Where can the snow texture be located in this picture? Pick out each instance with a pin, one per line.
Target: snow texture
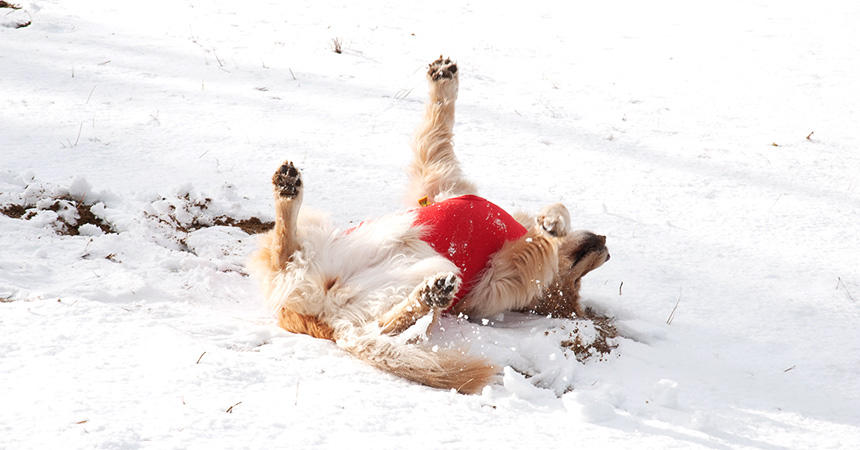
(714, 144)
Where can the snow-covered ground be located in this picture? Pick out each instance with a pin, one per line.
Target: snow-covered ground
(716, 145)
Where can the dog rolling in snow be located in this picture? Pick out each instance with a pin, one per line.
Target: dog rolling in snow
(376, 289)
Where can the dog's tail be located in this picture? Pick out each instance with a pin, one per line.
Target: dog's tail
(444, 369)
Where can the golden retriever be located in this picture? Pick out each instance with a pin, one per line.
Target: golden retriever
(376, 289)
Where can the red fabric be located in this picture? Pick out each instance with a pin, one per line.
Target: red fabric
(467, 230)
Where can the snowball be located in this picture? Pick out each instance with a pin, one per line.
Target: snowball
(45, 203)
(32, 193)
(183, 189)
(98, 209)
(161, 206)
(44, 218)
(80, 189)
(89, 229)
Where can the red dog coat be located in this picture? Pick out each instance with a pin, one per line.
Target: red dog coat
(467, 230)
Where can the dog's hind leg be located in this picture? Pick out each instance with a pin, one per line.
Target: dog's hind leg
(433, 295)
(304, 324)
(280, 243)
(435, 172)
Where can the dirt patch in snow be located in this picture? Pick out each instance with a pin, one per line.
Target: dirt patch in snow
(185, 215)
(85, 216)
(14, 22)
(252, 225)
(602, 344)
(71, 215)
(13, 211)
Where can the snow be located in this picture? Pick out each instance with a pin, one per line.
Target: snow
(714, 144)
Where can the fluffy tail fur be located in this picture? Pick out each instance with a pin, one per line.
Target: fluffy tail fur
(443, 369)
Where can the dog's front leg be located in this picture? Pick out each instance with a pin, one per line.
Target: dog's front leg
(435, 172)
(287, 182)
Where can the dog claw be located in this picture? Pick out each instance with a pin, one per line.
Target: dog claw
(287, 180)
(442, 68)
(440, 291)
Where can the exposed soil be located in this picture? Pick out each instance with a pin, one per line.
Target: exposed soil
(599, 347)
(64, 227)
(9, 5)
(13, 211)
(85, 216)
(251, 226)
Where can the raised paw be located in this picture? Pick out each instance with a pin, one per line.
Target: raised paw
(442, 68)
(287, 180)
(440, 290)
(555, 220)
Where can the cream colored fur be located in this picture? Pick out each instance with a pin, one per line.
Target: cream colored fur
(365, 288)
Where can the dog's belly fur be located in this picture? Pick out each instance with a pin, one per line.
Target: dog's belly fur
(350, 279)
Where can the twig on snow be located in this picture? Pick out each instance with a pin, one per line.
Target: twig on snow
(201, 357)
(847, 292)
(790, 368)
(220, 63)
(91, 94)
(672, 314)
(69, 143)
(619, 287)
(230, 409)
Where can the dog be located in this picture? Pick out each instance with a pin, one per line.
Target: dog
(377, 288)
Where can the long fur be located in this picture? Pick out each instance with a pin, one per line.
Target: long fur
(369, 288)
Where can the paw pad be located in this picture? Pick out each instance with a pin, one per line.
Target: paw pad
(554, 226)
(440, 291)
(287, 180)
(442, 68)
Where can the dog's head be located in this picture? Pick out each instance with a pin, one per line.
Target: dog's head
(581, 252)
